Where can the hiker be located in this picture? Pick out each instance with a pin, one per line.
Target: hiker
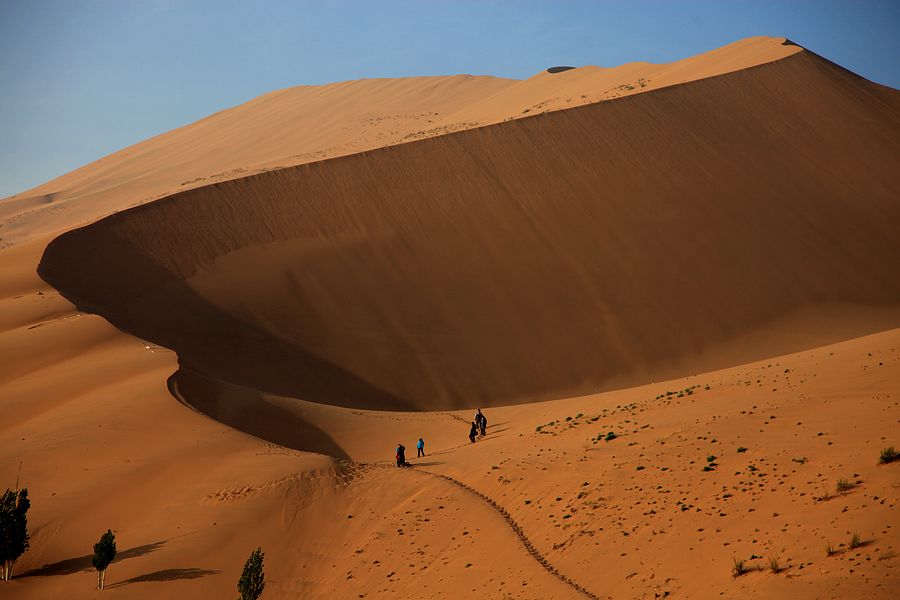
(473, 432)
(420, 446)
(481, 422)
(401, 455)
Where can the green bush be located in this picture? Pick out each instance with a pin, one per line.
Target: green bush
(104, 553)
(252, 581)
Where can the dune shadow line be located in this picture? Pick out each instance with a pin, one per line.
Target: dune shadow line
(83, 563)
(88, 267)
(167, 575)
(250, 411)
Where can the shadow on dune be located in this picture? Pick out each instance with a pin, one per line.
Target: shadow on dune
(205, 337)
(167, 575)
(251, 412)
(83, 563)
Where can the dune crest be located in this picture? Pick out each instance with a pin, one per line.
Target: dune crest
(306, 124)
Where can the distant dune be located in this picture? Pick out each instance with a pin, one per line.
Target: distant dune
(667, 233)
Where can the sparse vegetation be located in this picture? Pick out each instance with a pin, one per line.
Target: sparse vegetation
(843, 486)
(610, 436)
(888, 455)
(14, 537)
(829, 550)
(738, 567)
(741, 449)
(252, 581)
(855, 541)
(773, 564)
(104, 553)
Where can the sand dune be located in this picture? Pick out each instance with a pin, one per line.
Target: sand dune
(310, 123)
(745, 214)
(614, 243)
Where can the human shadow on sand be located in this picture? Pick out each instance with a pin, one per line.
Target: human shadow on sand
(83, 563)
(167, 575)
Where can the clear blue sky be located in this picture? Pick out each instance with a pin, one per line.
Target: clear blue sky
(81, 79)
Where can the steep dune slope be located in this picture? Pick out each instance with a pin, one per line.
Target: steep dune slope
(533, 259)
(310, 123)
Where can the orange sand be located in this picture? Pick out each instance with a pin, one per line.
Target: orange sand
(747, 215)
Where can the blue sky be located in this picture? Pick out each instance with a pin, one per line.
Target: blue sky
(79, 80)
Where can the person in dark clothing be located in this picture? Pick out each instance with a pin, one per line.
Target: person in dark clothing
(483, 425)
(473, 432)
(420, 446)
(401, 455)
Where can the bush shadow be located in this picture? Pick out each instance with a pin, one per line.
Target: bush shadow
(83, 563)
(167, 575)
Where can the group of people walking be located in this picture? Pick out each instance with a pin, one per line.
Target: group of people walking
(401, 452)
(478, 430)
(479, 426)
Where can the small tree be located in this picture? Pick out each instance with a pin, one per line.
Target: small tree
(13, 529)
(252, 580)
(104, 553)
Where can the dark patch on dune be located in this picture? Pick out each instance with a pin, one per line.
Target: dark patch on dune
(251, 412)
(559, 69)
(528, 260)
(167, 575)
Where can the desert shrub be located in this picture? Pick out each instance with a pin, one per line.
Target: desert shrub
(738, 567)
(843, 485)
(888, 455)
(252, 581)
(855, 541)
(773, 564)
(741, 449)
(14, 505)
(104, 553)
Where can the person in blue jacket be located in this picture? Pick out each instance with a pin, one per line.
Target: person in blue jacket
(420, 446)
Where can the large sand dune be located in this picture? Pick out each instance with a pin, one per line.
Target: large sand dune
(534, 259)
(735, 205)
